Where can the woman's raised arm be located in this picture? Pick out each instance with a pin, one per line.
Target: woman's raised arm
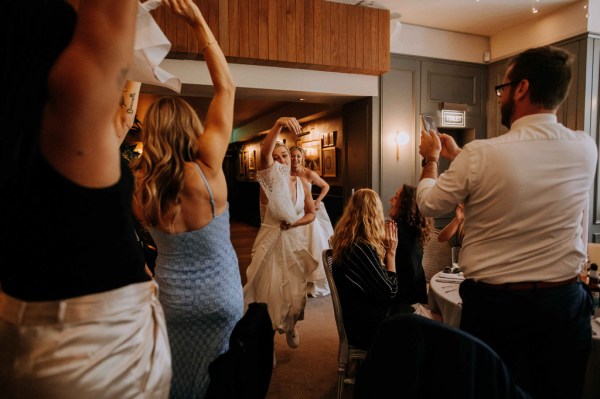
(218, 126)
(78, 134)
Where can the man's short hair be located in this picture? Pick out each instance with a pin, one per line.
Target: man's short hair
(548, 70)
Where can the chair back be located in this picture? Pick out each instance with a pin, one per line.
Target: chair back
(337, 306)
(432, 360)
(436, 256)
(347, 354)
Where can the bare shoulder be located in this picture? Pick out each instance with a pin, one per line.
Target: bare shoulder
(309, 175)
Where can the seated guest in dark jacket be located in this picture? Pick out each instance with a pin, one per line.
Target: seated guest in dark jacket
(364, 266)
(413, 234)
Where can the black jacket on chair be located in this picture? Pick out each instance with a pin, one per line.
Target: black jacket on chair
(244, 371)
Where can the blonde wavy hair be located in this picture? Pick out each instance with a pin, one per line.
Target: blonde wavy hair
(361, 222)
(170, 139)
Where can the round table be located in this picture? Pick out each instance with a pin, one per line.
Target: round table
(443, 297)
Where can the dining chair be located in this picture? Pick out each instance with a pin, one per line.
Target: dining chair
(347, 354)
(436, 256)
(432, 360)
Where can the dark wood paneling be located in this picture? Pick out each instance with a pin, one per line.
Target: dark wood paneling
(223, 37)
(263, 29)
(244, 13)
(234, 27)
(358, 134)
(318, 32)
(309, 34)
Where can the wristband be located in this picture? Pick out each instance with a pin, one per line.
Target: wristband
(425, 161)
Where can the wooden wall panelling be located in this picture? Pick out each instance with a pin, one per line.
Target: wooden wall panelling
(223, 37)
(314, 34)
(326, 23)
(299, 29)
(360, 40)
(367, 40)
(343, 24)
(244, 15)
(334, 29)
(318, 30)
(290, 30)
(263, 29)
(351, 36)
(234, 28)
(384, 42)
(253, 36)
(309, 32)
(272, 29)
(281, 30)
(213, 17)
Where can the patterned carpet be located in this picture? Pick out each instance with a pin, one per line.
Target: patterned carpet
(310, 371)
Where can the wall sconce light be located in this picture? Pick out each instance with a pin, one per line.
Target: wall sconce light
(401, 138)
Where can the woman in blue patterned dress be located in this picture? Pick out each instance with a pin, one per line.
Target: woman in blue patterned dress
(181, 197)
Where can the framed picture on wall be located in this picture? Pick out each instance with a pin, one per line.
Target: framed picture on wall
(329, 139)
(242, 162)
(252, 160)
(329, 166)
(312, 156)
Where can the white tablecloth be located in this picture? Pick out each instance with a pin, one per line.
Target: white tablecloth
(443, 297)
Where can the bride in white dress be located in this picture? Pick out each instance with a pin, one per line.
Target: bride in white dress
(320, 231)
(280, 259)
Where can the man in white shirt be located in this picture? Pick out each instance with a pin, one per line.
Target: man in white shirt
(525, 196)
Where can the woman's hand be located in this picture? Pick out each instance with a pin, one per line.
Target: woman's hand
(291, 123)
(285, 225)
(186, 9)
(317, 205)
(390, 239)
(460, 212)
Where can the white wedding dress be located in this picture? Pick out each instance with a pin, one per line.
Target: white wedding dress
(281, 262)
(318, 234)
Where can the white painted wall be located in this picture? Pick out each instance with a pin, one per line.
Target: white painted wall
(594, 16)
(567, 22)
(281, 79)
(426, 42)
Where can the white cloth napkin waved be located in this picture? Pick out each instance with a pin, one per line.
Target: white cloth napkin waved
(150, 49)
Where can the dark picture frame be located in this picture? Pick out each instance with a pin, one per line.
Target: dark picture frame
(252, 160)
(242, 161)
(329, 162)
(329, 138)
(313, 156)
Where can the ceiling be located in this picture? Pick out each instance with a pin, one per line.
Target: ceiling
(479, 17)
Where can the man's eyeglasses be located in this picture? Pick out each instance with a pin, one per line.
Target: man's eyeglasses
(500, 88)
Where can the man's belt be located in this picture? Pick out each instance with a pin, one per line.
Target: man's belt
(529, 285)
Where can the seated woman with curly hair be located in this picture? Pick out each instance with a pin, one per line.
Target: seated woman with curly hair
(413, 233)
(364, 266)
